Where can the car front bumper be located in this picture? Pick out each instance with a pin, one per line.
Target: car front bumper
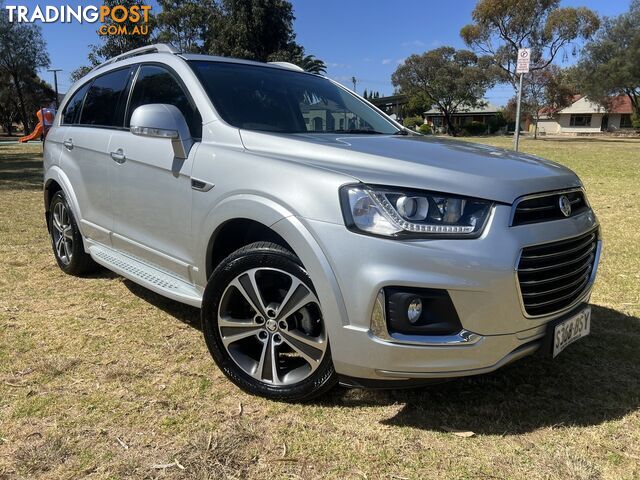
(480, 277)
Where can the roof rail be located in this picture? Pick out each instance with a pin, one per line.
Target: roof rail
(290, 66)
(157, 48)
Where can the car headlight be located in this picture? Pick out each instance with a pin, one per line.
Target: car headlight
(397, 213)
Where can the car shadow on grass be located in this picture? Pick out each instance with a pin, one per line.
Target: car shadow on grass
(185, 313)
(595, 380)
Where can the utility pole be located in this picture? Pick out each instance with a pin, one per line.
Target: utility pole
(55, 82)
(353, 79)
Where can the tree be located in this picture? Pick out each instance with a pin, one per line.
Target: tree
(545, 90)
(365, 94)
(111, 46)
(259, 30)
(9, 111)
(610, 63)
(312, 64)
(501, 27)
(22, 52)
(186, 23)
(446, 78)
(79, 72)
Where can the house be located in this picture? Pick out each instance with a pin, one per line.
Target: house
(464, 115)
(328, 115)
(586, 117)
(391, 105)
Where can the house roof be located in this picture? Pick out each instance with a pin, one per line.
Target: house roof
(486, 109)
(581, 104)
(621, 104)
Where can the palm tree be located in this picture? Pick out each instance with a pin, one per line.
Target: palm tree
(312, 64)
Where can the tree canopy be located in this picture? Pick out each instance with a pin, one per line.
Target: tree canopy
(187, 24)
(501, 27)
(445, 78)
(22, 52)
(610, 63)
(259, 30)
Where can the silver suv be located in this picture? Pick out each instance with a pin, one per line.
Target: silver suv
(323, 242)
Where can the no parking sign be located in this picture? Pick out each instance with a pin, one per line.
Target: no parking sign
(524, 55)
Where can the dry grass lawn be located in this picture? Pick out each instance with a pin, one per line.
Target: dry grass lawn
(100, 378)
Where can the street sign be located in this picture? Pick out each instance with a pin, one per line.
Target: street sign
(524, 55)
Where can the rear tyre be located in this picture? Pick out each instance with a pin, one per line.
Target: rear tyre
(263, 325)
(66, 239)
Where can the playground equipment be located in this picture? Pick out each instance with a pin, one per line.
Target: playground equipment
(45, 120)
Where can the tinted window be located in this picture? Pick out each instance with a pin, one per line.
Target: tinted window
(101, 107)
(285, 101)
(72, 110)
(157, 85)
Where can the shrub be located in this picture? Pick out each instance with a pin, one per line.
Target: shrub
(635, 121)
(425, 129)
(475, 128)
(413, 122)
(497, 122)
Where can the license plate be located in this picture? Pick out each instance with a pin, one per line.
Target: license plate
(572, 329)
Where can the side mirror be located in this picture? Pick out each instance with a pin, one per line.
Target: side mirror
(163, 121)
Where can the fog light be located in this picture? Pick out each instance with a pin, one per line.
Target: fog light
(414, 310)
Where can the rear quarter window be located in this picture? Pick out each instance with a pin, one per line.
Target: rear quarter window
(72, 109)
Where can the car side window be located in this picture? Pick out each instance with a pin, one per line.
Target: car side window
(102, 105)
(72, 109)
(155, 84)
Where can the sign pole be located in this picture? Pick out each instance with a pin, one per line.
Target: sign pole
(522, 67)
(516, 142)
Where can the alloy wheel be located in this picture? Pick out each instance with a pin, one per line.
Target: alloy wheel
(271, 325)
(62, 233)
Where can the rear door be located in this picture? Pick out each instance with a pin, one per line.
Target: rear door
(86, 141)
(151, 188)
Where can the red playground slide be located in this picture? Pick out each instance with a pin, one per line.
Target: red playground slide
(45, 119)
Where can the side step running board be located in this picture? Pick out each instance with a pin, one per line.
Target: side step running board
(146, 275)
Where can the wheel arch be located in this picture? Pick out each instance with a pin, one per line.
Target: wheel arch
(290, 231)
(55, 180)
(236, 233)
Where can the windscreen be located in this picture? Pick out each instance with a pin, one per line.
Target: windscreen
(281, 101)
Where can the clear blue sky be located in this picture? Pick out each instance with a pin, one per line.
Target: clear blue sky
(365, 39)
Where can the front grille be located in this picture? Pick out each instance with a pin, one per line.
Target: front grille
(547, 207)
(554, 275)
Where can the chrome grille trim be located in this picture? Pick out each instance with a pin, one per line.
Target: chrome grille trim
(523, 215)
(554, 277)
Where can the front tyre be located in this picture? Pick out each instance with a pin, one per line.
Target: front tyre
(66, 239)
(263, 325)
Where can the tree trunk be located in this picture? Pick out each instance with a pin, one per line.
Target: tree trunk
(450, 128)
(23, 111)
(535, 128)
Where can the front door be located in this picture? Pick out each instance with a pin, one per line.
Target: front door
(151, 188)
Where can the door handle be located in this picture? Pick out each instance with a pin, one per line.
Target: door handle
(68, 144)
(118, 156)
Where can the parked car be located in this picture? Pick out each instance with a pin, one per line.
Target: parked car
(322, 241)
